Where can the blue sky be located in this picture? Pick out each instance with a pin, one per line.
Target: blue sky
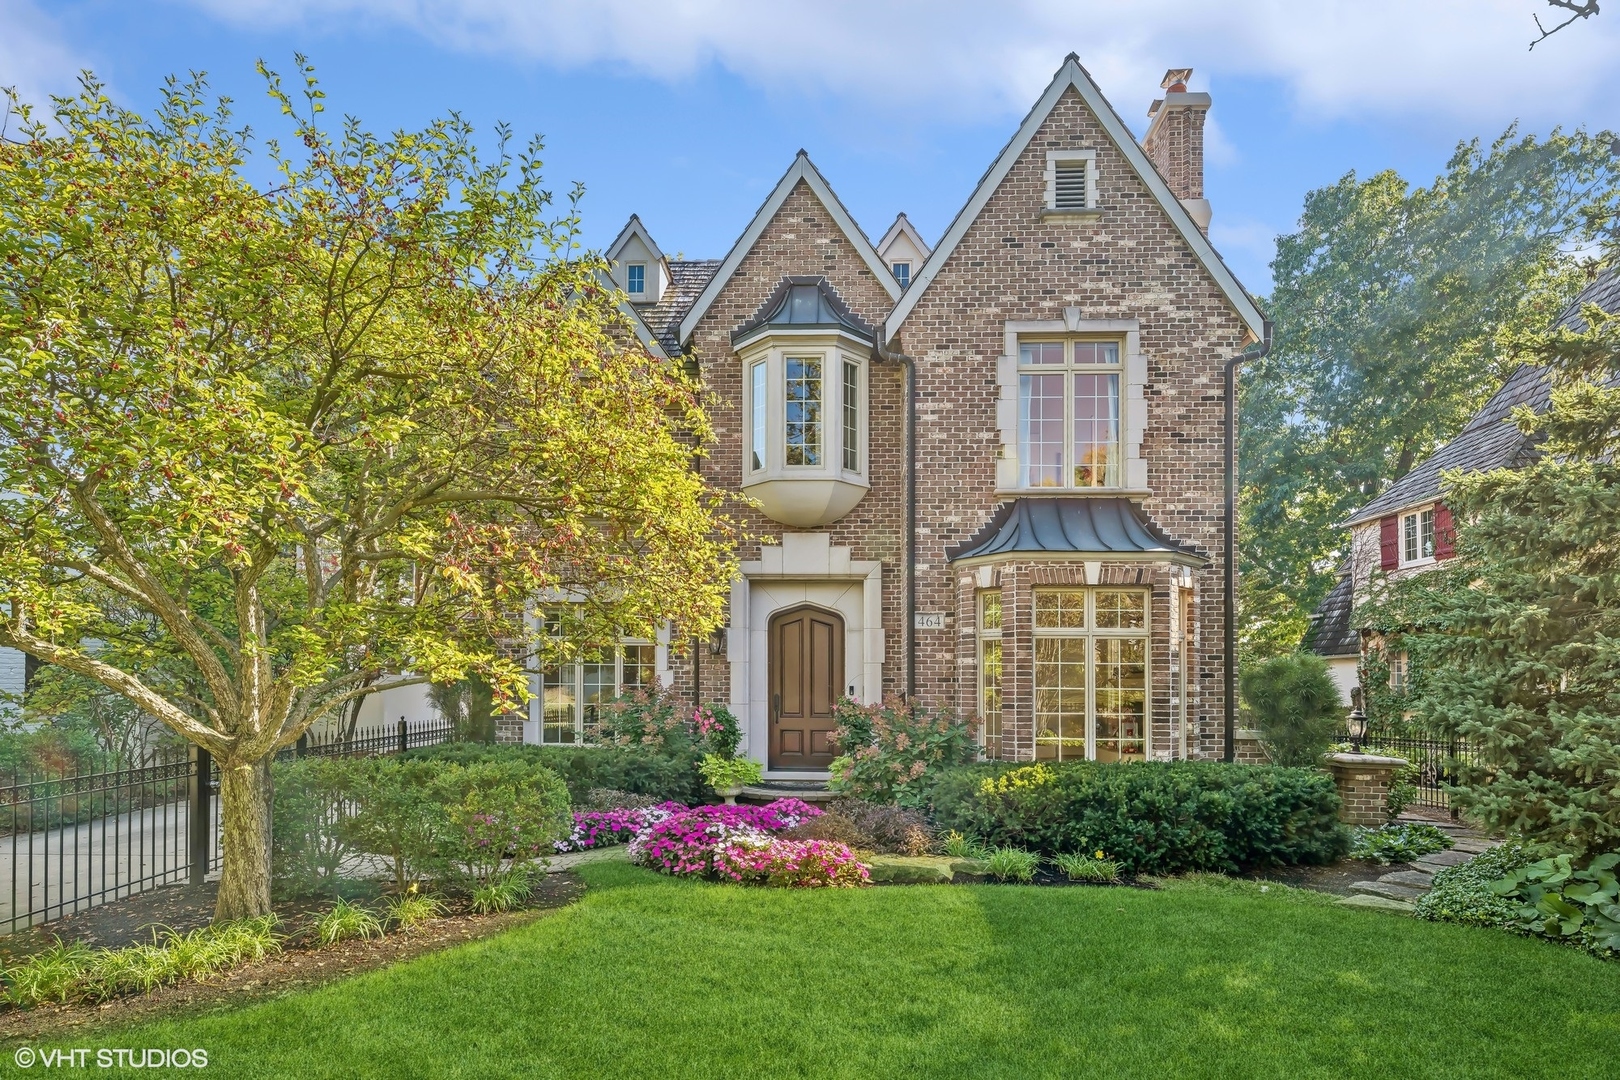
(687, 113)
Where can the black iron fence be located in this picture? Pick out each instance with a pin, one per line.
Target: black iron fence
(72, 840)
(1436, 761)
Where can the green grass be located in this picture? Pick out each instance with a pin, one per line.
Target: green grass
(653, 977)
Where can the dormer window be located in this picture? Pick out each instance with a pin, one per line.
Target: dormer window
(1417, 537)
(902, 273)
(805, 360)
(635, 276)
(1071, 183)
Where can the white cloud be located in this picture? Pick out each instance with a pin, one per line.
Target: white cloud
(1456, 59)
(34, 59)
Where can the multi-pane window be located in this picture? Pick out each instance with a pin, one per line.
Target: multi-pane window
(1417, 536)
(990, 671)
(852, 417)
(572, 689)
(757, 404)
(803, 410)
(1091, 674)
(635, 276)
(1069, 414)
(902, 273)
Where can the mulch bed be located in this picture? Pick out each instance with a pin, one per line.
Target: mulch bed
(302, 965)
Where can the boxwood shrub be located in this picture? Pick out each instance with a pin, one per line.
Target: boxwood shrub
(660, 774)
(1153, 817)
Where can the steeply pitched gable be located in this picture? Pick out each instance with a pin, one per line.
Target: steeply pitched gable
(802, 170)
(1073, 76)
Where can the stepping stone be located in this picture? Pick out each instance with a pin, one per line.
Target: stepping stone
(1442, 859)
(1472, 845)
(1412, 879)
(1377, 903)
(1387, 890)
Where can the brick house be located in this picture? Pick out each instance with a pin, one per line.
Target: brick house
(986, 473)
(1408, 529)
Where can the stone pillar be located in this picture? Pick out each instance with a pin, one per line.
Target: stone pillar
(1248, 750)
(1363, 781)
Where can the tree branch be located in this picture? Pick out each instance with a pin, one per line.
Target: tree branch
(121, 682)
(1583, 9)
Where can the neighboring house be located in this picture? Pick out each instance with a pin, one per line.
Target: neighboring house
(13, 680)
(1408, 529)
(987, 473)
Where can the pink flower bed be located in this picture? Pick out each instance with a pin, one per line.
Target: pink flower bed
(604, 828)
(805, 864)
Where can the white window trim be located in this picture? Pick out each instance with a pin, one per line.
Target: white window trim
(1091, 209)
(774, 352)
(985, 635)
(894, 268)
(627, 289)
(1090, 633)
(1132, 404)
(1400, 537)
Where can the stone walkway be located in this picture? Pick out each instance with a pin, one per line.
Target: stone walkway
(1399, 890)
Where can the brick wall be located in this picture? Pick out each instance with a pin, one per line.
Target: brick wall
(1130, 263)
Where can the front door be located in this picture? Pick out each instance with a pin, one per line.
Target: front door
(807, 674)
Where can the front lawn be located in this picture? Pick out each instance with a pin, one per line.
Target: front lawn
(658, 977)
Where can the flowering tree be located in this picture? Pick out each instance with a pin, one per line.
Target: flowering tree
(269, 449)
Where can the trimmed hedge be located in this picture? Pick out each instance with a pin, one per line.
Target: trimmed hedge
(662, 775)
(1154, 817)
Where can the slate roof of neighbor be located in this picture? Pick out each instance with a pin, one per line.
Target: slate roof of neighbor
(687, 279)
(1490, 440)
(1070, 526)
(1330, 632)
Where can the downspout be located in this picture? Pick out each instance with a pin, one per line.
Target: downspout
(1253, 352)
(910, 629)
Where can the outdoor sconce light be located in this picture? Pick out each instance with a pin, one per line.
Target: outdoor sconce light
(1357, 722)
(717, 642)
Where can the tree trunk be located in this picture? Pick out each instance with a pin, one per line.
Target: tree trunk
(245, 800)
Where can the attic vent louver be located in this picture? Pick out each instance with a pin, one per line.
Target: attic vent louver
(1070, 184)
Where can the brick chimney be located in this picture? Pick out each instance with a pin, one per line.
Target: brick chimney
(1175, 142)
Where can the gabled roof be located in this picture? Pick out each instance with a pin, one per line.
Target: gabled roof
(1072, 74)
(804, 303)
(801, 169)
(903, 226)
(1073, 527)
(633, 227)
(1491, 440)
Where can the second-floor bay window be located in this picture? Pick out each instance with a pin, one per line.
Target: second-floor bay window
(806, 364)
(1069, 414)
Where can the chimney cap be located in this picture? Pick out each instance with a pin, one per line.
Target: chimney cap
(1176, 76)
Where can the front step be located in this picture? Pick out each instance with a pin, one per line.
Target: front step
(810, 791)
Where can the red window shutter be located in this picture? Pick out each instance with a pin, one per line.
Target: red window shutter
(1389, 542)
(1445, 533)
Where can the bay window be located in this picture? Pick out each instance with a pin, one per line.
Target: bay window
(1091, 656)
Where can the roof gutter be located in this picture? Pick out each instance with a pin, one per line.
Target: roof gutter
(1230, 568)
(911, 516)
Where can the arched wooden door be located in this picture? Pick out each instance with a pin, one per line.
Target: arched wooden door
(807, 674)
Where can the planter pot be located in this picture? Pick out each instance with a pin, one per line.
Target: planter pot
(731, 793)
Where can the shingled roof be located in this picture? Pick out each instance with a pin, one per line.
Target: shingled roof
(687, 280)
(1490, 440)
(1330, 632)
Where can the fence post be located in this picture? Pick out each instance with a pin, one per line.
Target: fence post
(303, 745)
(202, 816)
(402, 735)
